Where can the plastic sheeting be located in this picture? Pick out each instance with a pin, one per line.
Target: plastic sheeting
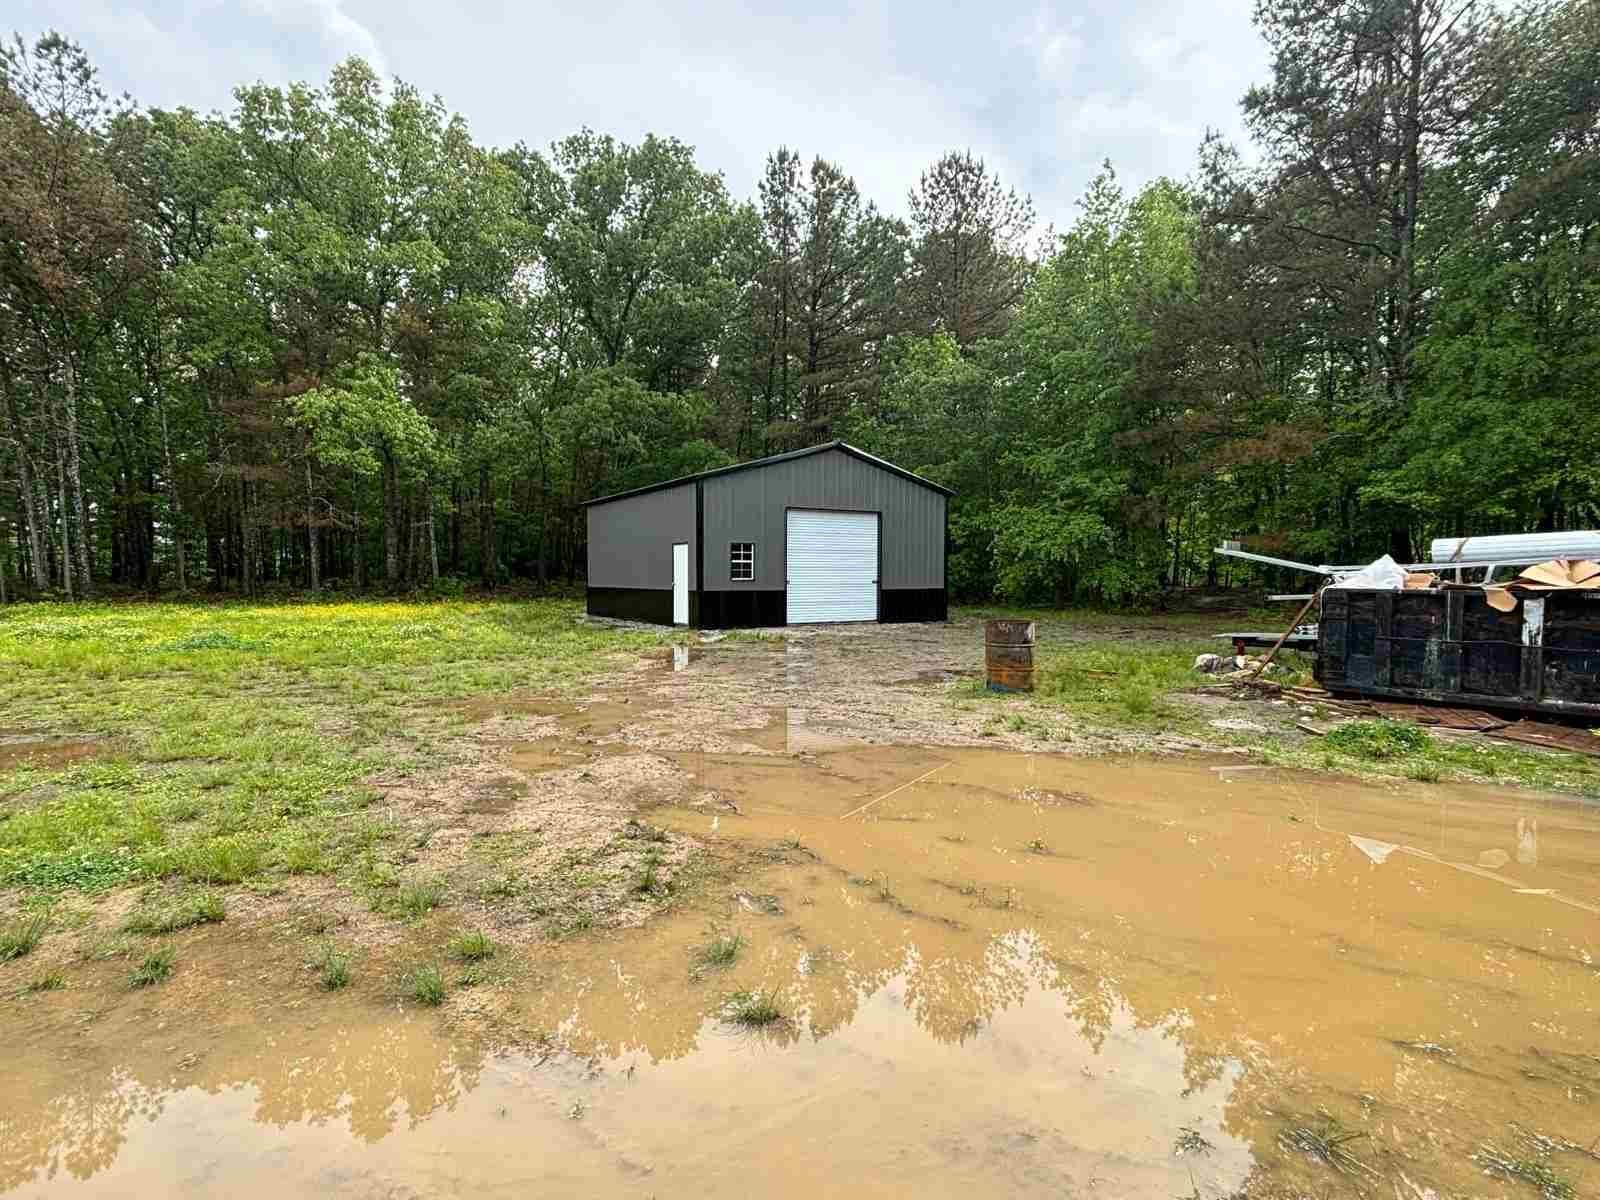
(1383, 575)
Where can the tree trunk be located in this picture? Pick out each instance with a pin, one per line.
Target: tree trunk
(391, 521)
(358, 550)
(38, 560)
(66, 536)
(488, 554)
(174, 510)
(455, 526)
(433, 537)
(247, 542)
(75, 474)
(311, 529)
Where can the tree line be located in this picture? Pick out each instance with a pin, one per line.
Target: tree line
(327, 340)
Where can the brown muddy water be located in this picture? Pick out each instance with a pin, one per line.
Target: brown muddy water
(999, 975)
(30, 750)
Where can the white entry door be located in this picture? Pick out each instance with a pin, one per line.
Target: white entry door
(680, 583)
(833, 566)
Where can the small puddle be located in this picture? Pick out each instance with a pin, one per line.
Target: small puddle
(27, 751)
(995, 974)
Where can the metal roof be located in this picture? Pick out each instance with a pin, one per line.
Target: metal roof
(777, 458)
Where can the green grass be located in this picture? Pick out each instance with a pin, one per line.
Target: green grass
(206, 908)
(1532, 1169)
(473, 946)
(1376, 741)
(721, 951)
(20, 938)
(50, 981)
(239, 734)
(426, 986)
(1114, 682)
(156, 968)
(419, 898)
(753, 1010)
(333, 969)
(1115, 671)
(649, 874)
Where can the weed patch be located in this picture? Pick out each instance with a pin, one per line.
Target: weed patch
(1377, 741)
(204, 909)
(156, 968)
(1326, 1140)
(720, 952)
(50, 981)
(473, 946)
(754, 1010)
(426, 986)
(20, 939)
(1530, 1169)
(333, 969)
(418, 899)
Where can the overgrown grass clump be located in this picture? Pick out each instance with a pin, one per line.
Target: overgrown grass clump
(1377, 741)
(333, 969)
(50, 981)
(206, 908)
(22, 937)
(721, 951)
(155, 968)
(426, 986)
(1532, 1169)
(419, 898)
(473, 946)
(753, 1010)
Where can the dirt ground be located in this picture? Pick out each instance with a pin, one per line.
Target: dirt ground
(735, 886)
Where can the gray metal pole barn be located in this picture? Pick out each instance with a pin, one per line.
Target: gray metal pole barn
(825, 534)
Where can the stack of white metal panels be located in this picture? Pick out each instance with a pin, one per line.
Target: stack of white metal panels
(1518, 547)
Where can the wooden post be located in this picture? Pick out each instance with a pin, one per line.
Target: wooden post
(1278, 645)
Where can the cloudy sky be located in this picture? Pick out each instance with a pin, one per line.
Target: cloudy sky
(1044, 92)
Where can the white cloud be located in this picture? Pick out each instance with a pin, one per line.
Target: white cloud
(340, 30)
(1042, 91)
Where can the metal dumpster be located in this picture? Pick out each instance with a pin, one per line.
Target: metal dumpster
(1449, 646)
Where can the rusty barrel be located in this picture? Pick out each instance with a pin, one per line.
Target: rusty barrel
(1008, 655)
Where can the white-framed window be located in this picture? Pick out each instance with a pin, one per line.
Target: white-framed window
(741, 560)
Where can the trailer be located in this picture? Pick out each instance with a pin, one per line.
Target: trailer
(1448, 645)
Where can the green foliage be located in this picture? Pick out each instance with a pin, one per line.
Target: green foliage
(1377, 741)
(202, 909)
(330, 323)
(721, 951)
(155, 968)
(473, 946)
(21, 937)
(752, 1009)
(419, 898)
(426, 986)
(333, 969)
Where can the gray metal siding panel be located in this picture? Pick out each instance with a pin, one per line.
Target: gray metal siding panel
(630, 541)
(749, 507)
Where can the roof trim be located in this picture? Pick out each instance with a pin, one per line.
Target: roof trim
(843, 447)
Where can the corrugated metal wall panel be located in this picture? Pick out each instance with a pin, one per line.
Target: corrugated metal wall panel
(749, 507)
(630, 541)
(833, 566)
(1517, 547)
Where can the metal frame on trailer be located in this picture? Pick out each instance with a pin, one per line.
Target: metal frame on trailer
(1488, 565)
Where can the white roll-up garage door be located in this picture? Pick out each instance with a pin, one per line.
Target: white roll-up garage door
(833, 566)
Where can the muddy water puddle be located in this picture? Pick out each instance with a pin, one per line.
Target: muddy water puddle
(992, 974)
(27, 750)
